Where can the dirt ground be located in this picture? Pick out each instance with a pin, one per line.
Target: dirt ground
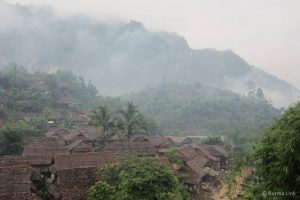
(221, 193)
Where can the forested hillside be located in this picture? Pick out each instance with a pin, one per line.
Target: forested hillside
(32, 103)
(185, 107)
(194, 109)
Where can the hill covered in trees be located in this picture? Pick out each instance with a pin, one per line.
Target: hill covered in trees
(194, 109)
(33, 103)
(120, 57)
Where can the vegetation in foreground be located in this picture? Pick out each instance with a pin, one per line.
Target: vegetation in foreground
(135, 179)
(275, 160)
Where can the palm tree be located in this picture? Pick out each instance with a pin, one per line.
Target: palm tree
(132, 120)
(103, 119)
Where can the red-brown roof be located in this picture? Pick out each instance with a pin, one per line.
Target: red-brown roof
(47, 151)
(187, 152)
(129, 147)
(176, 139)
(79, 146)
(15, 178)
(91, 133)
(202, 150)
(84, 160)
(218, 151)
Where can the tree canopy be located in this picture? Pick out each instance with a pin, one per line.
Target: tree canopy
(180, 108)
(132, 120)
(135, 179)
(276, 159)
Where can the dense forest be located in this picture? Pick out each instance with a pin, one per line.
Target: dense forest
(186, 107)
(195, 109)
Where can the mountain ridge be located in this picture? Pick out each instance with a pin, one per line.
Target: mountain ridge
(111, 54)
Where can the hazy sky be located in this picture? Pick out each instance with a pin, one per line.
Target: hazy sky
(264, 32)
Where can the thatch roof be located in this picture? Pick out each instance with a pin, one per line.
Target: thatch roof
(202, 150)
(46, 142)
(73, 135)
(79, 145)
(157, 140)
(217, 150)
(197, 170)
(128, 147)
(187, 152)
(191, 139)
(84, 160)
(45, 146)
(197, 164)
(160, 141)
(15, 181)
(91, 133)
(44, 151)
(25, 160)
(176, 139)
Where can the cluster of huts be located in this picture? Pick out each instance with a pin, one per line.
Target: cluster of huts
(63, 164)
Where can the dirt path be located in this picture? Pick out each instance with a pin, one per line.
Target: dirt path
(221, 194)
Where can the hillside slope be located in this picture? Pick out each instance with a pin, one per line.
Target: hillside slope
(197, 109)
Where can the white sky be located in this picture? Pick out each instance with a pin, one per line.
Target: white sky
(266, 33)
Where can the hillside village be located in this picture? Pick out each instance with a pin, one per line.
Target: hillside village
(61, 161)
(64, 164)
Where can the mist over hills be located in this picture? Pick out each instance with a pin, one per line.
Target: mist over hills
(125, 57)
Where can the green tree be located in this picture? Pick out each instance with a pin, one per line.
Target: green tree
(132, 120)
(103, 119)
(13, 137)
(135, 179)
(276, 158)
